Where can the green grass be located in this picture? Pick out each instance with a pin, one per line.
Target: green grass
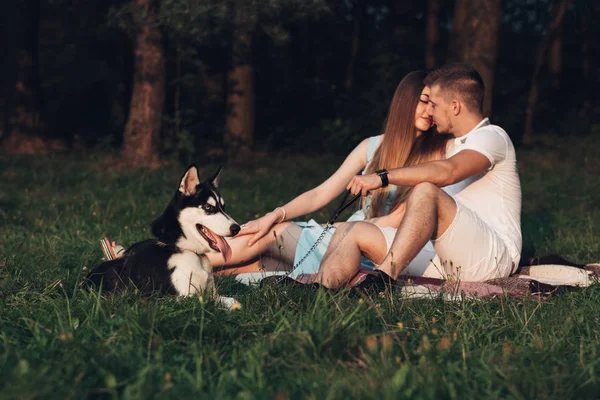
(58, 340)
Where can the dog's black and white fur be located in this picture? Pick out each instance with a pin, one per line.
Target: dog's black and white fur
(194, 223)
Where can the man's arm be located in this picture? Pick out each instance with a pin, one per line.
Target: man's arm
(441, 173)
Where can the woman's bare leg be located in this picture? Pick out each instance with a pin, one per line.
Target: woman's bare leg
(280, 243)
(263, 264)
(350, 241)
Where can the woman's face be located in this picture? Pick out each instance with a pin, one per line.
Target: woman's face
(422, 119)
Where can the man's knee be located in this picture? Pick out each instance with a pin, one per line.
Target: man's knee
(346, 231)
(428, 193)
(331, 280)
(426, 189)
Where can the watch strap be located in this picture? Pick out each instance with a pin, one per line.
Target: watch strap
(383, 174)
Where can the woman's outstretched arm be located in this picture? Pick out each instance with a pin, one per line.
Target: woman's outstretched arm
(311, 200)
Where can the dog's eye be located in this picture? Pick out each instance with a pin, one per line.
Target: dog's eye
(208, 208)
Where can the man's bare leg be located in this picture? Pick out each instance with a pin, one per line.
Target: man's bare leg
(429, 212)
(279, 243)
(350, 241)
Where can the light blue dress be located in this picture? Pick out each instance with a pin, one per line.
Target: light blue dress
(312, 230)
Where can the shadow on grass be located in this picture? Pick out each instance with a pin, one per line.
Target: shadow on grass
(536, 227)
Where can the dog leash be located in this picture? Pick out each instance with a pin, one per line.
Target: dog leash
(343, 205)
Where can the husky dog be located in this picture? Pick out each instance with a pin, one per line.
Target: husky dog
(194, 223)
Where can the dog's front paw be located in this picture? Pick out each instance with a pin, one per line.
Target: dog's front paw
(229, 303)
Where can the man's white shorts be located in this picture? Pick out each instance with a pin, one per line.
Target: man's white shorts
(469, 250)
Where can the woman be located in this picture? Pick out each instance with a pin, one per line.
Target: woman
(407, 139)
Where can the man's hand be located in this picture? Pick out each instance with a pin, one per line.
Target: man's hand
(362, 184)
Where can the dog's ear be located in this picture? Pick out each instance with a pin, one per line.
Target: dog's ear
(215, 178)
(190, 181)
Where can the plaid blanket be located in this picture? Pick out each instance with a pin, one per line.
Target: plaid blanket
(534, 281)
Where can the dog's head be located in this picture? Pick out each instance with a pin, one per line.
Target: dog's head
(195, 219)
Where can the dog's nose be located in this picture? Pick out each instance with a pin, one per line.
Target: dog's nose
(234, 229)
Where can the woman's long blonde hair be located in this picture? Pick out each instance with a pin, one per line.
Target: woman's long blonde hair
(400, 146)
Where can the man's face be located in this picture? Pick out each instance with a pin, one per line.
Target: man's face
(439, 110)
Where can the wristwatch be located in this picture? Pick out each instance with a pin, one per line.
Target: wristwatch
(383, 174)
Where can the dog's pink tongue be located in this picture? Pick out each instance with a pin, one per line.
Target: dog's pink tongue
(223, 247)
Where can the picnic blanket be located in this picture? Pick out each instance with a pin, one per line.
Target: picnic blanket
(536, 281)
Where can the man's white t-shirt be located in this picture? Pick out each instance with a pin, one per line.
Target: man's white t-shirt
(495, 194)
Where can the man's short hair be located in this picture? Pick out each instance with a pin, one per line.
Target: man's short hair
(434, 75)
(459, 79)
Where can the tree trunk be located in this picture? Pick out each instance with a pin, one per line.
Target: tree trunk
(142, 131)
(239, 123)
(560, 8)
(585, 48)
(461, 9)
(356, 19)
(22, 124)
(475, 31)
(432, 35)
(555, 56)
(7, 14)
(585, 63)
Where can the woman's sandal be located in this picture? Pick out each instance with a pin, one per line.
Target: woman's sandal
(111, 250)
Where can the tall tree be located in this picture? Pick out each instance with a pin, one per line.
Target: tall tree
(206, 23)
(475, 29)
(558, 14)
(555, 55)
(432, 34)
(7, 12)
(22, 119)
(142, 131)
(585, 58)
(239, 121)
(357, 17)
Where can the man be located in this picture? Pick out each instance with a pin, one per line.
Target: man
(474, 223)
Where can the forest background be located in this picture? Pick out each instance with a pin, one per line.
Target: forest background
(235, 79)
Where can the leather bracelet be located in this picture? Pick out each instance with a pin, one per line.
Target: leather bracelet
(383, 174)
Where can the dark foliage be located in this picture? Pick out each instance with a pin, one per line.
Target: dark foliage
(300, 56)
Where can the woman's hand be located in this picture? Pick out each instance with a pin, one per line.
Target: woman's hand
(362, 184)
(258, 228)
